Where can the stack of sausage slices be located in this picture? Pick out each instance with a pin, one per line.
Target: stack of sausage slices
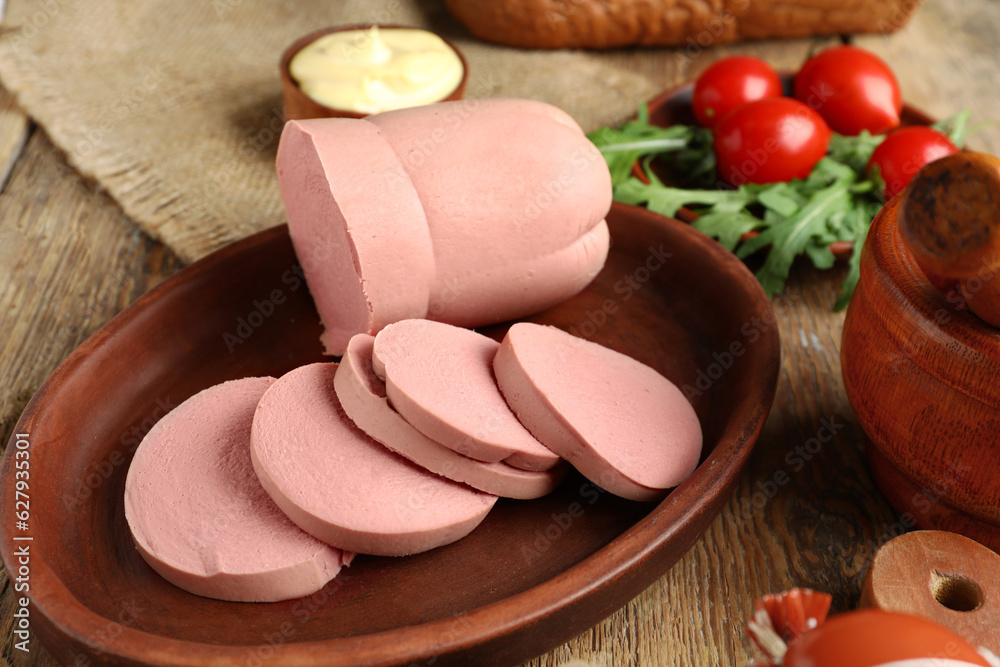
(403, 446)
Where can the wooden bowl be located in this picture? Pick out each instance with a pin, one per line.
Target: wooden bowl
(298, 105)
(673, 107)
(533, 575)
(922, 377)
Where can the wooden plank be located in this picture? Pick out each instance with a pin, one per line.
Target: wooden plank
(807, 513)
(69, 260)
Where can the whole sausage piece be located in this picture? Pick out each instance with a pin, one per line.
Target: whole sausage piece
(470, 212)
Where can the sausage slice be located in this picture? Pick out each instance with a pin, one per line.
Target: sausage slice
(363, 397)
(344, 488)
(440, 378)
(193, 504)
(619, 422)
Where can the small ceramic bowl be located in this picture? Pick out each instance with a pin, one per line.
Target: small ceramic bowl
(921, 375)
(298, 105)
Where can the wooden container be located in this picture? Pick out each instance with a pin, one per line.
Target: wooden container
(924, 379)
(298, 105)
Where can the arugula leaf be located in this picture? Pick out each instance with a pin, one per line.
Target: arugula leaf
(835, 202)
(667, 200)
(623, 146)
(955, 127)
(727, 222)
(789, 238)
(781, 200)
(855, 151)
(861, 218)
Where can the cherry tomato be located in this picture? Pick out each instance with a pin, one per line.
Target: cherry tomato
(852, 89)
(904, 152)
(732, 82)
(869, 637)
(770, 140)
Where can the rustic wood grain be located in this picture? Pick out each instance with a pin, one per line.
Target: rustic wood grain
(69, 260)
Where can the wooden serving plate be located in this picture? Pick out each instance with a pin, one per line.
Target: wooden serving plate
(532, 576)
(922, 377)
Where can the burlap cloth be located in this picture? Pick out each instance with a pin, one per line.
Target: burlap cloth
(174, 106)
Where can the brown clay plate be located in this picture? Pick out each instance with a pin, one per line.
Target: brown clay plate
(531, 577)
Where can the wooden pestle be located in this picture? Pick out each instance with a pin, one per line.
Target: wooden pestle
(949, 218)
(942, 576)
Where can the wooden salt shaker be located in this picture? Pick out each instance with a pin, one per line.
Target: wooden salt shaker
(920, 372)
(942, 576)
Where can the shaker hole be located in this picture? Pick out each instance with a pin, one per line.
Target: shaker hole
(956, 592)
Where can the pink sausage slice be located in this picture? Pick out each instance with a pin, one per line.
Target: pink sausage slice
(620, 423)
(440, 379)
(344, 488)
(193, 504)
(363, 397)
(358, 227)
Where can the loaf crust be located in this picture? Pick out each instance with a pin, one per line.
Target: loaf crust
(601, 24)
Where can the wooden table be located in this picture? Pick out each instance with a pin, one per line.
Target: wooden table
(806, 514)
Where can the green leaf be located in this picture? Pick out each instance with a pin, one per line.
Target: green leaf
(667, 200)
(791, 237)
(780, 199)
(624, 146)
(955, 127)
(854, 151)
(820, 254)
(862, 221)
(727, 226)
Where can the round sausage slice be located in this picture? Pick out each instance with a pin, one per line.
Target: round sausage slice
(620, 423)
(363, 397)
(440, 378)
(193, 504)
(344, 488)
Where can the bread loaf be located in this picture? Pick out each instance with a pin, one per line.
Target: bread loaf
(601, 24)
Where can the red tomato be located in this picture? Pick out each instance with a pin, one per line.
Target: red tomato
(732, 82)
(768, 141)
(904, 152)
(852, 89)
(869, 637)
